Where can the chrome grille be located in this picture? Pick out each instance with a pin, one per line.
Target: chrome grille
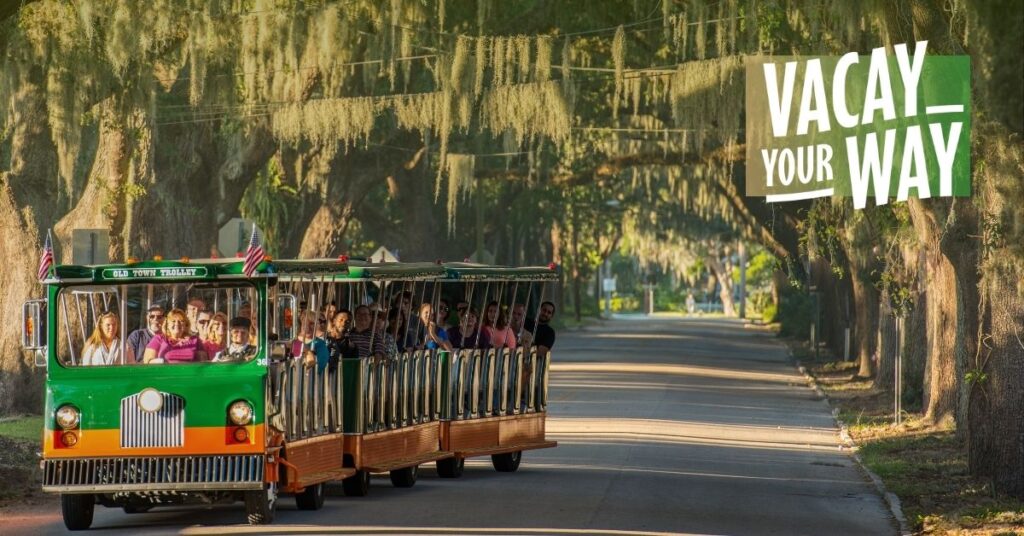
(164, 428)
(154, 474)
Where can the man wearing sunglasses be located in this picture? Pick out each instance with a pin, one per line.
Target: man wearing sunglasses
(138, 339)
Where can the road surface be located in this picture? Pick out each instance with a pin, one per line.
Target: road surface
(665, 425)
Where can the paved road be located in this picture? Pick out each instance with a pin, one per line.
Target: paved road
(665, 425)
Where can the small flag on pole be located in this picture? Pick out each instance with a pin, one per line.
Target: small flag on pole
(253, 255)
(46, 259)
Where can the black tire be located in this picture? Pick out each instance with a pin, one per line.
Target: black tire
(77, 510)
(405, 477)
(450, 467)
(508, 462)
(260, 505)
(357, 485)
(311, 498)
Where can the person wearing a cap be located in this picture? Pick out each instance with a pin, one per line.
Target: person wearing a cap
(238, 348)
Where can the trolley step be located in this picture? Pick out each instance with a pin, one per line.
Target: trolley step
(308, 479)
(408, 462)
(504, 449)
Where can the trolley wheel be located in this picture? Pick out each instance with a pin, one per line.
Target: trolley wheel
(357, 485)
(508, 462)
(260, 505)
(77, 510)
(450, 467)
(405, 477)
(311, 498)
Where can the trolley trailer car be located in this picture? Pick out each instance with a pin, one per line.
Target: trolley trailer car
(124, 432)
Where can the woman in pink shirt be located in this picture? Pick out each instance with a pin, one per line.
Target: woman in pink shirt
(496, 327)
(175, 344)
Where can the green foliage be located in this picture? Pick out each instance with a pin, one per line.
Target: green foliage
(975, 377)
(269, 202)
(769, 313)
(29, 428)
(795, 314)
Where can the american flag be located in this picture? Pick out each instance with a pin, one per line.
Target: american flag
(46, 259)
(253, 255)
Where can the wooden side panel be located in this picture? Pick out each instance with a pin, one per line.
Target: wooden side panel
(472, 434)
(522, 429)
(493, 432)
(380, 448)
(316, 455)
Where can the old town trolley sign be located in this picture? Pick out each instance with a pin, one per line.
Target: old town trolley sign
(258, 413)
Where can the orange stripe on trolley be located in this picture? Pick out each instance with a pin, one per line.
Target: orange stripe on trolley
(198, 440)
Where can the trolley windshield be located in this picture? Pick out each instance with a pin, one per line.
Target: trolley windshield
(156, 324)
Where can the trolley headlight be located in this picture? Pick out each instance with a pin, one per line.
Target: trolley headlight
(68, 417)
(240, 413)
(150, 400)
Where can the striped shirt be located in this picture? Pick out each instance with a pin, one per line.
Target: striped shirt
(362, 339)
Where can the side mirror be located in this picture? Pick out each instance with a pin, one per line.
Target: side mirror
(279, 351)
(33, 325)
(33, 329)
(285, 316)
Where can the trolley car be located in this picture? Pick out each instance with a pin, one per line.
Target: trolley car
(138, 433)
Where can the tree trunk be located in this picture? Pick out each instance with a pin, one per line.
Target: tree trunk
(865, 331)
(997, 401)
(887, 346)
(946, 312)
(575, 245)
(723, 273)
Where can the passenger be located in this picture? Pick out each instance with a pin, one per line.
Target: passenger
(217, 334)
(192, 311)
(238, 349)
(138, 339)
(203, 324)
(543, 338)
(518, 320)
(390, 346)
(397, 328)
(496, 327)
(444, 316)
(175, 344)
(363, 336)
(544, 335)
(338, 342)
(434, 337)
(330, 310)
(245, 311)
(311, 349)
(460, 309)
(467, 335)
(408, 333)
(103, 347)
(321, 327)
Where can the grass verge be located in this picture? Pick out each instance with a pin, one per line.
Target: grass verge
(923, 463)
(19, 464)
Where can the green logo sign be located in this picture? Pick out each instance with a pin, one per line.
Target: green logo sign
(866, 127)
(130, 273)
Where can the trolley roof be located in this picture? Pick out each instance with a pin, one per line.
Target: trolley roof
(464, 271)
(334, 269)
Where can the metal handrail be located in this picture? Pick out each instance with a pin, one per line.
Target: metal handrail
(424, 386)
(493, 382)
(304, 402)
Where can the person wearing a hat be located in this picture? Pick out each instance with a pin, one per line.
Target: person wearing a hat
(238, 348)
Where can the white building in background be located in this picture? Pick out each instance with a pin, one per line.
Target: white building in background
(383, 254)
